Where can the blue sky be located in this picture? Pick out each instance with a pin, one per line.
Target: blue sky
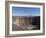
(25, 11)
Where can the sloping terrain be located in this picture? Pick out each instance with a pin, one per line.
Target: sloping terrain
(25, 23)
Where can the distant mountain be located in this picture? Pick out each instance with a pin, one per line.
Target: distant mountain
(24, 16)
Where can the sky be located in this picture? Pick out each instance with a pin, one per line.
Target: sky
(25, 11)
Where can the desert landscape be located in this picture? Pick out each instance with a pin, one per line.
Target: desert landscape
(25, 18)
(20, 23)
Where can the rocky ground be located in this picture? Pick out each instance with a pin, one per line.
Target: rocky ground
(26, 27)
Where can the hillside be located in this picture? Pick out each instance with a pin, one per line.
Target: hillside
(20, 22)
